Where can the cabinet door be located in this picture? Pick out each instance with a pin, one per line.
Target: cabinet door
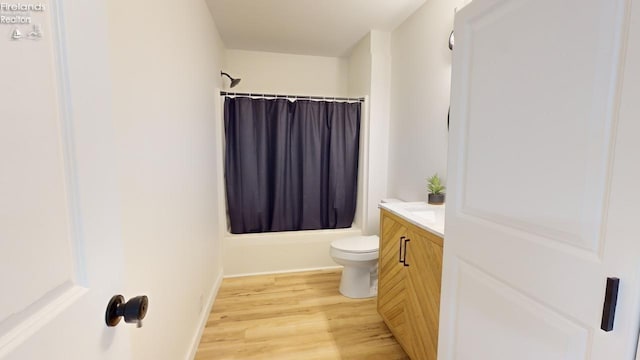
(422, 303)
(391, 277)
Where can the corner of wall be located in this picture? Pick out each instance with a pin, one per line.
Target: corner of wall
(204, 316)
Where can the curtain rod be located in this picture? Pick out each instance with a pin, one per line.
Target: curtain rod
(297, 97)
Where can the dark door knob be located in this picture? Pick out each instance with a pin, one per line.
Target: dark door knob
(133, 310)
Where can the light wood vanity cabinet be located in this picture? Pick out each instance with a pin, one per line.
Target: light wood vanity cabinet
(392, 278)
(409, 277)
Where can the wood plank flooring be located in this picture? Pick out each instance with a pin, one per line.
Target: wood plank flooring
(294, 316)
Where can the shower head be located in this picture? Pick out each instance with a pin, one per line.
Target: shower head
(234, 82)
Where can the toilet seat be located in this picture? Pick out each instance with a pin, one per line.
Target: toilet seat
(357, 244)
(357, 248)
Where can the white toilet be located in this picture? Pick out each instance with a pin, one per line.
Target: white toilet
(359, 256)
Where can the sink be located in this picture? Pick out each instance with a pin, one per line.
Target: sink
(422, 211)
(427, 215)
(417, 207)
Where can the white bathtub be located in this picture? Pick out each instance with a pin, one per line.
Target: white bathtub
(251, 254)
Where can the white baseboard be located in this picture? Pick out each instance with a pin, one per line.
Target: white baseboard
(284, 271)
(205, 316)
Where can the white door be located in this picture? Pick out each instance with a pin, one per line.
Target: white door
(544, 181)
(60, 251)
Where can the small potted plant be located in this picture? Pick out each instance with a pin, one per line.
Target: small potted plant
(436, 190)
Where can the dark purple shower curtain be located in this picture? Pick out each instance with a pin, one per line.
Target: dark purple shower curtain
(290, 165)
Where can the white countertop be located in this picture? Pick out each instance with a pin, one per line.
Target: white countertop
(421, 214)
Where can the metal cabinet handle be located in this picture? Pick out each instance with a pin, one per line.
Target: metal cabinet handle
(403, 250)
(404, 261)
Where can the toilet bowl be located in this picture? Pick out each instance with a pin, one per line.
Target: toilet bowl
(359, 256)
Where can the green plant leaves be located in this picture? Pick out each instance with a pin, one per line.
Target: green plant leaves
(435, 185)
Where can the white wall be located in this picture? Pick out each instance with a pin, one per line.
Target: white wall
(370, 74)
(265, 72)
(420, 85)
(379, 123)
(165, 62)
(359, 61)
(359, 85)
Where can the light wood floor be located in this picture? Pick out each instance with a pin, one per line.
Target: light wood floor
(297, 316)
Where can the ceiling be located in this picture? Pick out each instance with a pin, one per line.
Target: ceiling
(306, 27)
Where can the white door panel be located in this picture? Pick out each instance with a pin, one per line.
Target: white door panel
(35, 217)
(488, 305)
(60, 251)
(521, 114)
(538, 95)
